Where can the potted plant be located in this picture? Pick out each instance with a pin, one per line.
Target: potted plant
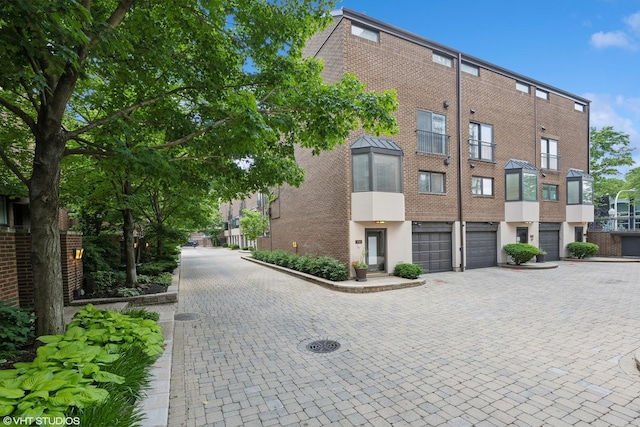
(540, 256)
(361, 270)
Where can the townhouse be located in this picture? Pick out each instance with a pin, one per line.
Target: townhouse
(484, 157)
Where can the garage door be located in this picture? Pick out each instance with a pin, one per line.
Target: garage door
(432, 246)
(550, 240)
(631, 246)
(482, 245)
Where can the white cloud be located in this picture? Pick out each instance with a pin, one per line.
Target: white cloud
(633, 21)
(603, 40)
(623, 114)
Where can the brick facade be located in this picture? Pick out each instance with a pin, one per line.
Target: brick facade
(8, 270)
(319, 215)
(610, 244)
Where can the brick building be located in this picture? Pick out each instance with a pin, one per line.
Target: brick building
(484, 157)
(232, 212)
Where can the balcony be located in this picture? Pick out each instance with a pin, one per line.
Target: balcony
(550, 162)
(432, 143)
(482, 150)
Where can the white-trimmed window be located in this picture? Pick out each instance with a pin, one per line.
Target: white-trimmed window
(522, 87)
(481, 186)
(441, 59)
(474, 70)
(543, 94)
(365, 33)
(579, 107)
(431, 182)
(549, 153)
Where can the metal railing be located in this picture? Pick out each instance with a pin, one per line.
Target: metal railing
(615, 223)
(431, 142)
(550, 162)
(481, 150)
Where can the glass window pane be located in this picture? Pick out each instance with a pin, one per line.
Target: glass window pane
(530, 186)
(364, 33)
(513, 187)
(360, 168)
(587, 192)
(424, 120)
(386, 175)
(573, 192)
(487, 187)
(4, 216)
(437, 182)
(424, 182)
(522, 87)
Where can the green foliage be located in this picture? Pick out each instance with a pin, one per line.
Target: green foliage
(408, 271)
(16, 327)
(325, 266)
(105, 280)
(233, 246)
(164, 279)
(142, 313)
(100, 253)
(253, 224)
(102, 357)
(609, 150)
(521, 252)
(128, 292)
(581, 250)
(156, 268)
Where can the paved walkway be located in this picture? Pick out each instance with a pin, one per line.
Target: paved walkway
(488, 347)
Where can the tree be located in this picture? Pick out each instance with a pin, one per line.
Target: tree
(253, 224)
(609, 150)
(216, 81)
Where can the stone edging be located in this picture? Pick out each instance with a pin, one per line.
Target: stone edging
(348, 286)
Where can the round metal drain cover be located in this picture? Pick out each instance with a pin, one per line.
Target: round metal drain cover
(323, 346)
(186, 316)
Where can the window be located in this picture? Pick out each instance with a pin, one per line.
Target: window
(376, 165)
(4, 214)
(521, 181)
(579, 187)
(432, 129)
(579, 107)
(443, 60)
(431, 182)
(542, 94)
(522, 87)
(481, 141)
(481, 186)
(470, 69)
(549, 153)
(365, 33)
(550, 192)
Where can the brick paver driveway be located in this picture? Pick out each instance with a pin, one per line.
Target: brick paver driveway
(488, 347)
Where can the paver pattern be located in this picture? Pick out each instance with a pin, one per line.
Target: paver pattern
(488, 347)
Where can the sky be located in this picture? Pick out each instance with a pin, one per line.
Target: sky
(590, 48)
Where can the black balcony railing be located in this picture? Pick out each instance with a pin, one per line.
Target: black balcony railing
(550, 162)
(482, 150)
(615, 223)
(431, 142)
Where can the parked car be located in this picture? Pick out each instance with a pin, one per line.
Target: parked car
(193, 243)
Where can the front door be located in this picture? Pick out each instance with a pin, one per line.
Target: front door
(376, 248)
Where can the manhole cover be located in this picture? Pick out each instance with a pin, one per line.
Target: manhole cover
(186, 316)
(323, 346)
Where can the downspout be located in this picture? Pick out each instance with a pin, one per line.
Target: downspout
(459, 120)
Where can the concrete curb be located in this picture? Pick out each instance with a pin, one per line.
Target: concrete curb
(373, 284)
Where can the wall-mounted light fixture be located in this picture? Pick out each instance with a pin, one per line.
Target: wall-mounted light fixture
(447, 160)
(544, 175)
(472, 165)
(445, 104)
(135, 245)
(542, 128)
(472, 111)
(379, 222)
(78, 253)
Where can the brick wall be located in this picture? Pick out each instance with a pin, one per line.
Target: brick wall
(71, 267)
(23, 266)
(610, 245)
(8, 270)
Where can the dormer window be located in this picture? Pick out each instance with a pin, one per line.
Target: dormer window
(376, 165)
(579, 188)
(521, 181)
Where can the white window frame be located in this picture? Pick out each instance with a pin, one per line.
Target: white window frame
(522, 87)
(365, 33)
(474, 70)
(579, 107)
(442, 60)
(542, 94)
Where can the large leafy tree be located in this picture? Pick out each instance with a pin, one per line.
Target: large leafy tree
(215, 80)
(609, 151)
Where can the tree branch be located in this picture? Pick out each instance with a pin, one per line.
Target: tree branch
(189, 137)
(21, 114)
(14, 168)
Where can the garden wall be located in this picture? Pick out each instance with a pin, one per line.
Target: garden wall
(610, 245)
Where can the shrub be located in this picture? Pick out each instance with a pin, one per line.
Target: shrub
(325, 267)
(141, 313)
(233, 247)
(521, 252)
(16, 327)
(107, 279)
(582, 249)
(128, 292)
(156, 268)
(408, 271)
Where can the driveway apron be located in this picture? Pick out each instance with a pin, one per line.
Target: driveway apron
(487, 347)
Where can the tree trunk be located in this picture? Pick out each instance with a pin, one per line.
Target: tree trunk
(45, 235)
(129, 250)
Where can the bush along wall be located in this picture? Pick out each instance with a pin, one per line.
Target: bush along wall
(102, 359)
(324, 266)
